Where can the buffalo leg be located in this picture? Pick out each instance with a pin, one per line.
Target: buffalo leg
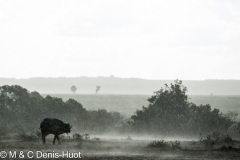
(58, 140)
(54, 139)
(43, 138)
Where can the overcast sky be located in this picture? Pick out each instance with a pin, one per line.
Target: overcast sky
(152, 39)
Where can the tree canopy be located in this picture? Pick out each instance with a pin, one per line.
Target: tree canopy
(73, 89)
(170, 112)
(24, 110)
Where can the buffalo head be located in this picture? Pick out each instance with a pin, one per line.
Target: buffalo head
(67, 128)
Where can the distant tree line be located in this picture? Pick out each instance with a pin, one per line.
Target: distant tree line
(169, 113)
(22, 110)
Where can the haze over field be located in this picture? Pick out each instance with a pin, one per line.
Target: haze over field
(116, 85)
(127, 105)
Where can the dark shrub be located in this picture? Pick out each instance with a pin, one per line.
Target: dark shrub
(216, 138)
(159, 144)
(176, 145)
(77, 137)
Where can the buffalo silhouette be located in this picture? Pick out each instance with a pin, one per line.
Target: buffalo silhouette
(54, 126)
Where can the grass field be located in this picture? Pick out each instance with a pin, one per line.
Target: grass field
(117, 149)
(114, 147)
(128, 104)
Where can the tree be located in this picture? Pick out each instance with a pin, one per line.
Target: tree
(168, 109)
(169, 112)
(97, 89)
(73, 89)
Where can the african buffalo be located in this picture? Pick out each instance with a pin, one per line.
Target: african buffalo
(54, 126)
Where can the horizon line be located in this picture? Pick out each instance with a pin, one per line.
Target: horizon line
(111, 76)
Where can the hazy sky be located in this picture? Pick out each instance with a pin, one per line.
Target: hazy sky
(149, 39)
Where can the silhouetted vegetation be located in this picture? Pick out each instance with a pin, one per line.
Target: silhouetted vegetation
(176, 145)
(77, 137)
(170, 113)
(159, 144)
(97, 89)
(216, 138)
(22, 111)
(73, 89)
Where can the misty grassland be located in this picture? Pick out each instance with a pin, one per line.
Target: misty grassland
(166, 125)
(128, 104)
(121, 149)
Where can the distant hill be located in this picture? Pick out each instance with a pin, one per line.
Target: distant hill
(115, 85)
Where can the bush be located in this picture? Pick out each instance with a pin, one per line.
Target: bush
(210, 140)
(216, 138)
(226, 139)
(64, 137)
(176, 145)
(165, 145)
(228, 148)
(77, 137)
(159, 144)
